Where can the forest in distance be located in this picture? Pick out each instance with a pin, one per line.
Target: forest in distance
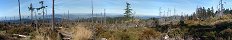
(44, 20)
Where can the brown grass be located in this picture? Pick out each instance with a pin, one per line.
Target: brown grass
(44, 34)
(141, 33)
(79, 32)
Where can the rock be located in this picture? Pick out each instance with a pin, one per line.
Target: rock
(103, 39)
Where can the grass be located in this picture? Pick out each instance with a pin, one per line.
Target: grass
(141, 33)
(77, 32)
(120, 31)
(44, 33)
(81, 33)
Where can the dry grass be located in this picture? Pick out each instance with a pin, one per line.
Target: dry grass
(141, 33)
(79, 32)
(45, 34)
(210, 21)
(39, 37)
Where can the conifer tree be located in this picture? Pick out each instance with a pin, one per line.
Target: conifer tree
(128, 13)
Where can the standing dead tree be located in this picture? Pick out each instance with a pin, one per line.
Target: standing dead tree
(160, 12)
(174, 11)
(221, 9)
(31, 9)
(5, 19)
(46, 14)
(68, 17)
(92, 20)
(53, 16)
(19, 12)
(104, 16)
(101, 18)
(42, 7)
(92, 10)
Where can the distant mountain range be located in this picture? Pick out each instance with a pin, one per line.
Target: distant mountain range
(73, 16)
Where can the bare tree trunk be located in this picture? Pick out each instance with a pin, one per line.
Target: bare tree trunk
(53, 12)
(32, 15)
(94, 36)
(31, 9)
(101, 18)
(104, 16)
(43, 15)
(68, 17)
(19, 12)
(36, 22)
(5, 19)
(92, 10)
(46, 14)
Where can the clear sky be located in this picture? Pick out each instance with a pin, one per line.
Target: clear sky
(141, 7)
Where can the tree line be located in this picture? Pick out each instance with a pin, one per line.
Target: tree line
(205, 13)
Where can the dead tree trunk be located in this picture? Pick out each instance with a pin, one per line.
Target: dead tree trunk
(104, 16)
(53, 12)
(19, 12)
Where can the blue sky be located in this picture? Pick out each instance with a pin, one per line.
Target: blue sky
(9, 8)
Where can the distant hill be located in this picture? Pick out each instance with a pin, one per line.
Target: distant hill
(72, 16)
